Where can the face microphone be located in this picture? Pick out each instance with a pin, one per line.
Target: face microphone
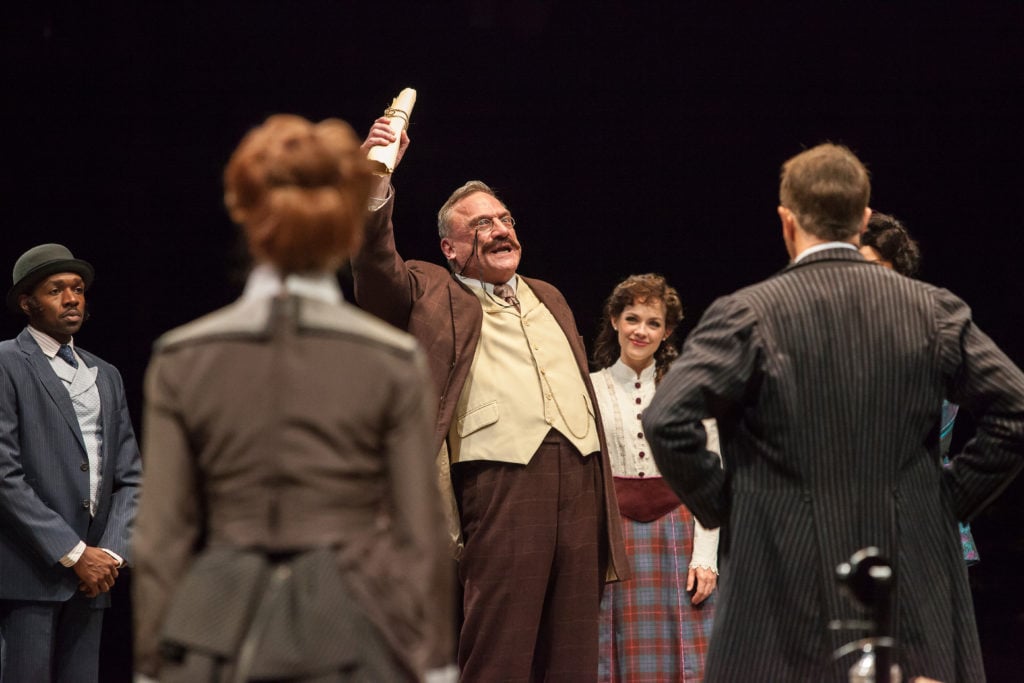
(476, 234)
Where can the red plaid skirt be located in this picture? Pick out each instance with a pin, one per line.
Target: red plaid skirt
(649, 629)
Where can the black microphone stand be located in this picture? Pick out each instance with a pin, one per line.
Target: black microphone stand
(869, 580)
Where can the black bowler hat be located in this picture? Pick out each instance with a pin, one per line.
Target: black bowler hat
(43, 261)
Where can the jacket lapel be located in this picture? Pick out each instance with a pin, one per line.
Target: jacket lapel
(105, 386)
(40, 364)
(467, 317)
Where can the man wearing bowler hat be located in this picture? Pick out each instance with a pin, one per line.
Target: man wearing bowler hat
(69, 477)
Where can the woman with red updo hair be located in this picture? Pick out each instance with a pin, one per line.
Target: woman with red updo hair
(290, 526)
(299, 192)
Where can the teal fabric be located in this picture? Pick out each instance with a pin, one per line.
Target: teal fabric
(949, 411)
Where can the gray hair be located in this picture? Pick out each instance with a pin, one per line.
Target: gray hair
(444, 215)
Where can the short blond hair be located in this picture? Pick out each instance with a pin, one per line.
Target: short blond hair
(828, 188)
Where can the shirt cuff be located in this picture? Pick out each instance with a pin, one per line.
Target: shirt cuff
(377, 203)
(447, 674)
(72, 558)
(120, 560)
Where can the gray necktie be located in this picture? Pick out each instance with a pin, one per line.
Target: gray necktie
(68, 355)
(507, 293)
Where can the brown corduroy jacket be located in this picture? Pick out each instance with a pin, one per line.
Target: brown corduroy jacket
(446, 318)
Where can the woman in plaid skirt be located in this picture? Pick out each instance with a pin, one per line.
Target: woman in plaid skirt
(656, 626)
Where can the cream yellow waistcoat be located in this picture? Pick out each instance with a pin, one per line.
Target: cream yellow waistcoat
(523, 382)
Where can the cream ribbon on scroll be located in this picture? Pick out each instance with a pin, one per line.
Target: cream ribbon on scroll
(384, 158)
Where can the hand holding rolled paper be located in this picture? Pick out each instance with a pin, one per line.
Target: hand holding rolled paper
(384, 157)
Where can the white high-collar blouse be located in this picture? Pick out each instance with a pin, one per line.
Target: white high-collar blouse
(622, 396)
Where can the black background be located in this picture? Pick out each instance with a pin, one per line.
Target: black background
(626, 136)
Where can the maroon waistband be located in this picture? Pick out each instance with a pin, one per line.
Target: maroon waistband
(645, 500)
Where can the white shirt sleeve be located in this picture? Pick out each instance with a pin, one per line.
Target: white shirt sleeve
(120, 560)
(377, 203)
(74, 555)
(705, 541)
(705, 548)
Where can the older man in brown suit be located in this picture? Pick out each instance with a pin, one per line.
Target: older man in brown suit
(536, 526)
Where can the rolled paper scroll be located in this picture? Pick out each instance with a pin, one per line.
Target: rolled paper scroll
(384, 158)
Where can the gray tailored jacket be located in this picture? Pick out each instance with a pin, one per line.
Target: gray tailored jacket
(44, 477)
(284, 426)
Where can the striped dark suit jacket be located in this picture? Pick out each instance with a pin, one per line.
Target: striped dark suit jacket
(44, 490)
(827, 382)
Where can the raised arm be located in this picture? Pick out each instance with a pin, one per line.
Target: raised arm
(382, 282)
(381, 135)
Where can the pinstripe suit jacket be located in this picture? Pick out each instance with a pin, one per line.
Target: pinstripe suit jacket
(44, 489)
(827, 381)
(446, 318)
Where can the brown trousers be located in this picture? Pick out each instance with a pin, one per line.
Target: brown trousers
(532, 570)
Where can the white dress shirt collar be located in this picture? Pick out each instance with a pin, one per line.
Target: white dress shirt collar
(265, 282)
(822, 247)
(48, 344)
(487, 286)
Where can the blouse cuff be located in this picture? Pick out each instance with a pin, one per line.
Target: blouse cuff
(705, 548)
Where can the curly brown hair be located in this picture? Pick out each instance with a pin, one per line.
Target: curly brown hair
(638, 289)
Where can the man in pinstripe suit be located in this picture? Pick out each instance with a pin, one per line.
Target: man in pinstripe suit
(69, 476)
(826, 453)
